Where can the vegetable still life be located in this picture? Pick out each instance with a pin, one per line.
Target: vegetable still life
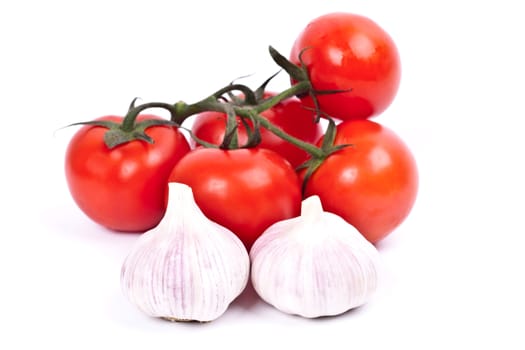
(289, 189)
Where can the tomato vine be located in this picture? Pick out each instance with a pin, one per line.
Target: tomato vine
(331, 80)
(227, 100)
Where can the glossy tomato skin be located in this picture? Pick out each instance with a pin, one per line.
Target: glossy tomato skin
(123, 188)
(348, 51)
(245, 190)
(290, 115)
(372, 184)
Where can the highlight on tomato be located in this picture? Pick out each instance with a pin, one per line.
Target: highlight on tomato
(351, 53)
(372, 183)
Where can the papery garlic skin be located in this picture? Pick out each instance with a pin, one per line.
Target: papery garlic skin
(314, 265)
(188, 268)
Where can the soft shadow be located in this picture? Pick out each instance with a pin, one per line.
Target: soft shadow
(248, 298)
(124, 313)
(347, 314)
(387, 244)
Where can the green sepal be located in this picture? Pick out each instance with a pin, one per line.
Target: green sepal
(330, 92)
(254, 133)
(132, 104)
(311, 166)
(116, 135)
(259, 92)
(249, 94)
(230, 140)
(295, 72)
(104, 123)
(328, 146)
(198, 140)
(329, 135)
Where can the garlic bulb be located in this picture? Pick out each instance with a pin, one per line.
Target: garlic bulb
(188, 268)
(314, 265)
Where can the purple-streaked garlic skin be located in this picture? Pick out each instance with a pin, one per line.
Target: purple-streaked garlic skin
(314, 265)
(188, 268)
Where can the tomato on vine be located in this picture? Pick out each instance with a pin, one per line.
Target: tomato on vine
(123, 186)
(290, 115)
(372, 183)
(350, 53)
(342, 66)
(245, 190)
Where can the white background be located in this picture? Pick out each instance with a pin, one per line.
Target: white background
(455, 267)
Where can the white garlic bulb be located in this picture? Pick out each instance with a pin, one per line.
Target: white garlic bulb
(314, 265)
(188, 268)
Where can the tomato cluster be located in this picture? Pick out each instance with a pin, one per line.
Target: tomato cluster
(254, 155)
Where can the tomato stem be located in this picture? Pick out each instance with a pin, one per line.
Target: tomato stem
(297, 89)
(248, 108)
(251, 108)
(230, 140)
(314, 151)
(182, 111)
(128, 124)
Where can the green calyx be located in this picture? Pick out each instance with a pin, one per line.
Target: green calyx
(327, 148)
(130, 130)
(117, 135)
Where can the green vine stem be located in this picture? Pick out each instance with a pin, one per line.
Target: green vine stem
(182, 111)
(314, 151)
(130, 119)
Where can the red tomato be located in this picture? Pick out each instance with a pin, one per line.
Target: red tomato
(372, 184)
(245, 190)
(289, 115)
(123, 188)
(347, 51)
